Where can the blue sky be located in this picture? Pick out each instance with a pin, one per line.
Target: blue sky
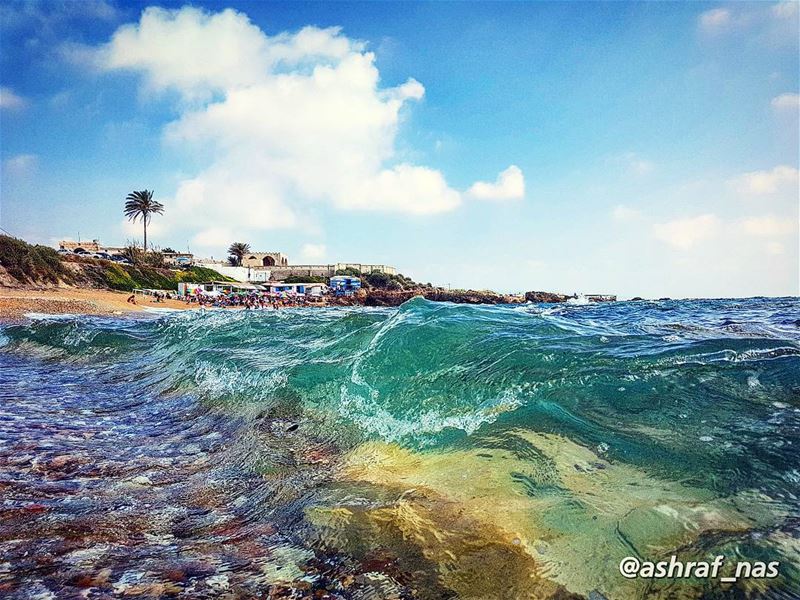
(641, 149)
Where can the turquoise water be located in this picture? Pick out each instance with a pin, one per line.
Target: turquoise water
(431, 451)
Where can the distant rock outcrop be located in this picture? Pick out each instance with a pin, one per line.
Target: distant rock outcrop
(546, 297)
(377, 297)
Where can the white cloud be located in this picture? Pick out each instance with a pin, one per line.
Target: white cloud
(509, 185)
(786, 102)
(768, 226)
(625, 214)
(715, 19)
(191, 51)
(215, 237)
(685, 233)
(759, 183)
(785, 10)
(289, 121)
(10, 100)
(313, 253)
(769, 24)
(21, 165)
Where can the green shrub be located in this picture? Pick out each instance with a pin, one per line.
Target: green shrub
(199, 275)
(305, 279)
(31, 264)
(40, 264)
(154, 259)
(378, 280)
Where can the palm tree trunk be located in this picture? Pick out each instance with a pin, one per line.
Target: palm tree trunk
(145, 234)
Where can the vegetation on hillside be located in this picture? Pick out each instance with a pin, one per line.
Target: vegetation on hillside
(348, 272)
(106, 274)
(153, 258)
(399, 282)
(305, 279)
(29, 264)
(383, 281)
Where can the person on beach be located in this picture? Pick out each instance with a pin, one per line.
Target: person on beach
(132, 299)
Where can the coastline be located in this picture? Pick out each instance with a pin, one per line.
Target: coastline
(16, 302)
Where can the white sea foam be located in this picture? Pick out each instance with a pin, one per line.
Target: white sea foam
(35, 316)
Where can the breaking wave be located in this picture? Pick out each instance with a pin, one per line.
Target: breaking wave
(193, 404)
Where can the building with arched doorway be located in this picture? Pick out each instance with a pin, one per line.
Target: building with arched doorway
(276, 264)
(265, 259)
(80, 247)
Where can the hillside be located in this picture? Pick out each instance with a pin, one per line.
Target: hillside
(25, 264)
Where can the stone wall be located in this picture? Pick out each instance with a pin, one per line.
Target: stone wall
(86, 246)
(281, 273)
(364, 269)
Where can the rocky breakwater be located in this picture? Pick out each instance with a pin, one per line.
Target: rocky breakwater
(552, 297)
(376, 297)
(546, 297)
(384, 297)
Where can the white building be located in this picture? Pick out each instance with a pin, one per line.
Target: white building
(308, 289)
(215, 288)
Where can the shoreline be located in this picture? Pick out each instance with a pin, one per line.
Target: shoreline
(15, 303)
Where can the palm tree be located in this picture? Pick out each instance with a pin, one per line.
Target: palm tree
(239, 249)
(140, 205)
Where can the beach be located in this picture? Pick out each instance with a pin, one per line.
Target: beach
(16, 302)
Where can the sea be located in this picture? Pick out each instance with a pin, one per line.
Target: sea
(433, 451)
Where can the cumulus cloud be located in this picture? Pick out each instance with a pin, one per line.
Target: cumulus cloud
(509, 185)
(288, 121)
(313, 253)
(10, 100)
(786, 102)
(768, 182)
(768, 226)
(685, 233)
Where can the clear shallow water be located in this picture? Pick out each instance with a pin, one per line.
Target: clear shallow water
(431, 451)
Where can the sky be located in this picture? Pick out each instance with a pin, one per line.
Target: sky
(644, 149)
